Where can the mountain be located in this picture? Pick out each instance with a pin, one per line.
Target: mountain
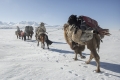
(21, 24)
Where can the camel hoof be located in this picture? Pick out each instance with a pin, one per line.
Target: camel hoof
(75, 59)
(87, 62)
(97, 71)
(83, 57)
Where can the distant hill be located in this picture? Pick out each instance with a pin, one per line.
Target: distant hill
(22, 24)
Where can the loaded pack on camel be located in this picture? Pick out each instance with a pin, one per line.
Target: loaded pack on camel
(81, 31)
(29, 31)
(82, 28)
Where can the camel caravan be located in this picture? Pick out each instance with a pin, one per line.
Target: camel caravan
(79, 32)
(40, 34)
(28, 32)
(82, 30)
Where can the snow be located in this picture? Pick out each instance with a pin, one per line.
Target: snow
(24, 60)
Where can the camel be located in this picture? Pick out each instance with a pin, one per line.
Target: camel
(43, 38)
(81, 31)
(92, 45)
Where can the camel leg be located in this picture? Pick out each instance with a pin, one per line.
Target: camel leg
(24, 38)
(80, 49)
(73, 45)
(47, 45)
(76, 51)
(80, 53)
(42, 45)
(18, 36)
(38, 43)
(31, 36)
(28, 36)
(82, 57)
(91, 45)
(91, 57)
(97, 59)
(75, 56)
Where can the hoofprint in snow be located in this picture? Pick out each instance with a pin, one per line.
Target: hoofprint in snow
(24, 60)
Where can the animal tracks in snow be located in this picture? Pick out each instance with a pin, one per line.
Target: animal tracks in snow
(85, 66)
(106, 74)
(72, 72)
(66, 65)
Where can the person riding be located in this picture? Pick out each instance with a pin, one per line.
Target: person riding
(42, 30)
(18, 29)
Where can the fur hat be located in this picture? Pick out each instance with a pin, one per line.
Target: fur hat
(72, 19)
(42, 24)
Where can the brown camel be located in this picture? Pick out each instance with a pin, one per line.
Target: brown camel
(92, 45)
(43, 38)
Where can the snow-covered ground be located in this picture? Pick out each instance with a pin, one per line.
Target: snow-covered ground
(24, 60)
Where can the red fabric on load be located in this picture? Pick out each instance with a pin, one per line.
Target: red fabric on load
(94, 24)
(91, 22)
(22, 33)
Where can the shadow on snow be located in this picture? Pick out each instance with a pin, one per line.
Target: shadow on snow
(109, 66)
